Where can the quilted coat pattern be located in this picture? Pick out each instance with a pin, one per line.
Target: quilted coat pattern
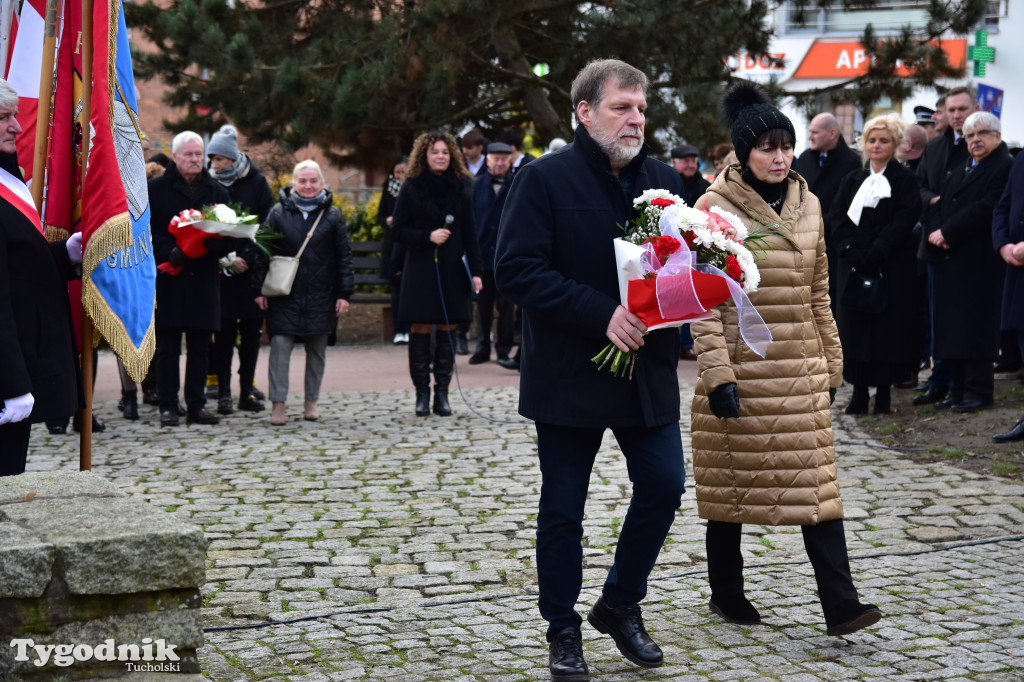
(775, 464)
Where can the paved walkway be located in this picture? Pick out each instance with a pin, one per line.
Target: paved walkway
(376, 545)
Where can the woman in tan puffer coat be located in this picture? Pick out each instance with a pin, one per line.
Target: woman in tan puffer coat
(761, 427)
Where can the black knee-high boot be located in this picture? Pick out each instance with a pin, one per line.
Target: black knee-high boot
(883, 400)
(419, 370)
(859, 401)
(444, 361)
(725, 574)
(826, 548)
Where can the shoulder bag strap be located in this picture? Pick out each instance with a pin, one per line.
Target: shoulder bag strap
(310, 233)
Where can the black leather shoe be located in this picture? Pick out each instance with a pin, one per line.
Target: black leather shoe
(480, 357)
(169, 418)
(249, 403)
(258, 394)
(130, 408)
(97, 425)
(461, 347)
(970, 405)
(225, 406)
(851, 616)
(565, 657)
(949, 401)
(180, 409)
(57, 429)
(1016, 433)
(150, 397)
(509, 363)
(202, 416)
(736, 610)
(626, 627)
(930, 395)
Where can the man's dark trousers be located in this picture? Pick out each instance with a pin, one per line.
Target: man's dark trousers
(168, 354)
(486, 300)
(654, 459)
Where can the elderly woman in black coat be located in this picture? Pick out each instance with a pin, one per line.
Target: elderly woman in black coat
(433, 221)
(966, 274)
(322, 287)
(872, 229)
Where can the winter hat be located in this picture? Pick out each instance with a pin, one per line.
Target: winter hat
(224, 143)
(749, 114)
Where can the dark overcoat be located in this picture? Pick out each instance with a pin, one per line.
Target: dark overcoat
(555, 258)
(325, 268)
(237, 292)
(938, 161)
(968, 277)
(385, 209)
(487, 207)
(423, 202)
(190, 299)
(883, 348)
(38, 353)
(1008, 228)
(693, 188)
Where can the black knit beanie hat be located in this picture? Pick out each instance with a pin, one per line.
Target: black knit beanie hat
(749, 114)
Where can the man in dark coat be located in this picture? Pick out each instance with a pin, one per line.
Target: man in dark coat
(942, 156)
(555, 258)
(490, 190)
(1008, 240)
(685, 161)
(824, 165)
(187, 303)
(240, 317)
(38, 362)
(966, 275)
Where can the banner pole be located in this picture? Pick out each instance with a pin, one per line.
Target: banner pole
(85, 455)
(43, 116)
(6, 26)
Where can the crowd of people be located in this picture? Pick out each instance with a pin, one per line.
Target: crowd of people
(900, 252)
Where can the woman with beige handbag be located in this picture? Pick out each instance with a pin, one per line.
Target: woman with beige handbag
(314, 253)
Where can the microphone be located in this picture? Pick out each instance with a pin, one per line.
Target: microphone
(449, 219)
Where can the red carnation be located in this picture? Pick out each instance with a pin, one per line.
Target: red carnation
(665, 246)
(661, 202)
(733, 269)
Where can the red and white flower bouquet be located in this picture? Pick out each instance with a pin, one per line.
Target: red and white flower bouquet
(676, 263)
(192, 228)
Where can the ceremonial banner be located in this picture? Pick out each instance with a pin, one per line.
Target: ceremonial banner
(118, 271)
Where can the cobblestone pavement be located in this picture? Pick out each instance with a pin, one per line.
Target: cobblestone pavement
(376, 545)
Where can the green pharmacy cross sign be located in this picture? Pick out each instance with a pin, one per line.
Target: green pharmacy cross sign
(981, 53)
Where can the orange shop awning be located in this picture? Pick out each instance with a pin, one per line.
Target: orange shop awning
(848, 59)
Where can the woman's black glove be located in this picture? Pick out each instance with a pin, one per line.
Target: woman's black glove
(724, 401)
(177, 257)
(831, 395)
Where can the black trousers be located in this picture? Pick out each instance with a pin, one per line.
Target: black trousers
(654, 459)
(487, 300)
(972, 379)
(14, 447)
(248, 330)
(168, 364)
(826, 548)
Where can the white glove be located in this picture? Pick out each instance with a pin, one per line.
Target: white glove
(16, 409)
(74, 247)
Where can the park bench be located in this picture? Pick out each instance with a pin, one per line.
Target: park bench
(366, 264)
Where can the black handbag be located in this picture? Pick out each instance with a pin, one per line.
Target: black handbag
(864, 293)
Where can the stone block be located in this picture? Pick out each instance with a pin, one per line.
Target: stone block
(25, 562)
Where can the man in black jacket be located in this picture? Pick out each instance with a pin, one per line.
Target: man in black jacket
(684, 160)
(188, 303)
(824, 165)
(555, 258)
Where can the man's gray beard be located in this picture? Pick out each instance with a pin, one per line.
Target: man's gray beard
(618, 154)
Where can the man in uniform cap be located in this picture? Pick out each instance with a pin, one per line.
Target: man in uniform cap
(923, 116)
(684, 160)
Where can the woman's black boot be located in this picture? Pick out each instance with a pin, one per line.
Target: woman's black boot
(725, 574)
(419, 370)
(883, 400)
(444, 361)
(859, 401)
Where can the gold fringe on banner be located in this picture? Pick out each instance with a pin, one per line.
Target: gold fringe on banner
(56, 234)
(110, 239)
